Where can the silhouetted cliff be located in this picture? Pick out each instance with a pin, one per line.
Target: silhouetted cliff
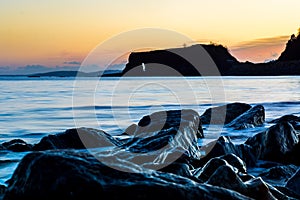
(186, 61)
(194, 61)
(292, 50)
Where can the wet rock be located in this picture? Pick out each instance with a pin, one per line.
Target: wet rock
(292, 119)
(2, 189)
(235, 161)
(80, 138)
(225, 177)
(224, 146)
(294, 182)
(178, 168)
(251, 118)
(258, 189)
(209, 168)
(286, 118)
(279, 173)
(17, 145)
(69, 175)
(224, 114)
(163, 120)
(167, 132)
(287, 192)
(276, 143)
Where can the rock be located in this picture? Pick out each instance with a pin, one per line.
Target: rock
(209, 168)
(224, 146)
(278, 174)
(80, 138)
(292, 119)
(249, 119)
(287, 192)
(178, 168)
(294, 182)
(276, 143)
(163, 120)
(225, 177)
(235, 161)
(17, 145)
(286, 118)
(167, 132)
(70, 175)
(258, 189)
(223, 114)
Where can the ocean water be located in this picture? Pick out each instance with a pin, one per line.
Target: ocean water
(35, 107)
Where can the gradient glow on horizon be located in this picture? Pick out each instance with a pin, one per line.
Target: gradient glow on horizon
(56, 32)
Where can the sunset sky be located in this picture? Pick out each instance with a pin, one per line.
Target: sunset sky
(63, 32)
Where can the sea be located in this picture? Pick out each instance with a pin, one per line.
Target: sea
(34, 107)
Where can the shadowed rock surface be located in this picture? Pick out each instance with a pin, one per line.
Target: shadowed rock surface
(279, 174)
(223, 114)
(67, 175)
(251, 118)
(16, 145)
(276, 143)
(224, 146)
(80, 138)
(294, 182)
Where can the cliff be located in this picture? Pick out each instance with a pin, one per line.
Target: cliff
(193, 61)
(292, 49)
(186, 61)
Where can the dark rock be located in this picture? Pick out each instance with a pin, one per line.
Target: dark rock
(17, 145)
(2, 189)
(275, 143)
(224, 146)
(294, 182)
(278, 174)
(209, 168)
(236, 162)
(80, 138)
(167, 132)
(251, 118)
(69, 175)
(223, 114)
(163, 120)
(292, 119)
(226, 177)
(258, 189)
(178, 168)
(288, 192)
(286, 118)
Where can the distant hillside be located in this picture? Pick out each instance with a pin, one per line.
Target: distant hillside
(292, 49)
(76, 73)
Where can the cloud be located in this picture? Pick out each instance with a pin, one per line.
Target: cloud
(259, 50)
(72, 63)
(261, 42)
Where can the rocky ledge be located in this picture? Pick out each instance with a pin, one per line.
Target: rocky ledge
(159, 157)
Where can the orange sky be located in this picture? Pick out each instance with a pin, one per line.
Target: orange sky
(56, 32)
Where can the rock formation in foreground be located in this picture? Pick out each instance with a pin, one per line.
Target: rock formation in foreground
(159, 157)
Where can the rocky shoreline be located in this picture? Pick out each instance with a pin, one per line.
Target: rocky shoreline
(159, 157)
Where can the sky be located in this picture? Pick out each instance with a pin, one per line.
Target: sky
(61, 33)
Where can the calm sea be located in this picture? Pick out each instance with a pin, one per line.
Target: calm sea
(34, 107)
